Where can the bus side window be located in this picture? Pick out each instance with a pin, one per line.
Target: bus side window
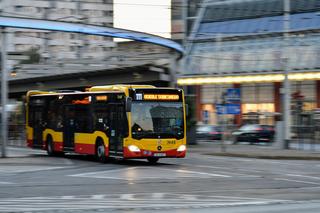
(83, 118)
(54, 115)
(101, 118)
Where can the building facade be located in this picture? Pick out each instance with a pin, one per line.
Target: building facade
(247, 44)
(184, 13)
(58, 45)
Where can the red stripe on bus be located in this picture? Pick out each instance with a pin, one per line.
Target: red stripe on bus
(88, 149)
(29, 143)
(57, 146)
(84, 148)
(147, 153)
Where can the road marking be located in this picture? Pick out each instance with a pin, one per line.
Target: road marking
(20, 169)
(251, 160)
(127, 201)
(147, 173)
(5, 183)
(98, 197)
(99, 172)
(304, 176)
(218, 167)
(280, 162)
(158, 195)
(127, 197)
(298, 181)
(201, 173)
(229, 158)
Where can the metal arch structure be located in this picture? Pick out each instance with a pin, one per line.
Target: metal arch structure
(38, 24)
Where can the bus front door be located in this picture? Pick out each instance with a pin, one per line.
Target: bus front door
(69, 128)
(116, 129)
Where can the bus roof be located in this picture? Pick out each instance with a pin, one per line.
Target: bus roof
(95, 90)
(44, 93)
(38, 92)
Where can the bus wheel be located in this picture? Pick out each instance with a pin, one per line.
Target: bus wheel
(50, 149)
(101, 152)
(153, 160)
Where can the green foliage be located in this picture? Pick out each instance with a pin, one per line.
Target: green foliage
(34, 56)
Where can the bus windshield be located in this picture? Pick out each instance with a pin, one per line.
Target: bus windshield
(157, 119)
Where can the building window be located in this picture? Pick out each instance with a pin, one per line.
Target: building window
(18, 8)
(259, 108)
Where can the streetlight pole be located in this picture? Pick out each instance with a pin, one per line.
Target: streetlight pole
(4, 93)
(184, 17)
(286, 82)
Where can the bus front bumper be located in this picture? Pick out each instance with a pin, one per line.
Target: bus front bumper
(141, 153)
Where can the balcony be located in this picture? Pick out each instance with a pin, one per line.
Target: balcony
(28, 40)
(30, 3)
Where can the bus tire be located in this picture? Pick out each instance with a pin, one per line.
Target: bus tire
(50, 149)
(100, 151)
(153, 160)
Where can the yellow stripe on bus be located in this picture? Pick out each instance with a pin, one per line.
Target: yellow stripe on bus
(90, 138)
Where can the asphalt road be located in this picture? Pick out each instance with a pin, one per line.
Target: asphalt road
(30, 181)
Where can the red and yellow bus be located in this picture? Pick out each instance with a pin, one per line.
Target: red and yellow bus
(120, 121)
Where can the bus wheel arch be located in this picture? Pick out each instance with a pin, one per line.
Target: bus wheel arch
(100, 150)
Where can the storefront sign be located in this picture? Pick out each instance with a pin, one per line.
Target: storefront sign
(233, 95)
(228, 109)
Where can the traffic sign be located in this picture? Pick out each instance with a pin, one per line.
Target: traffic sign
(228, 109)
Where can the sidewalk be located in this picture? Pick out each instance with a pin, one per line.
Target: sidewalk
(214, 148)
(252, 151)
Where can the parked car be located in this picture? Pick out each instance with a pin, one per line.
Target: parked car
(209, 132)
(254, 133)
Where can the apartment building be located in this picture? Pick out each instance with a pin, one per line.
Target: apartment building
(59, 45)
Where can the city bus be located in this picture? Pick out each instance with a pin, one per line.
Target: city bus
(117, 121)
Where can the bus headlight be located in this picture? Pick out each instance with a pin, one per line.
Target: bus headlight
(133, 148)
(182, 148)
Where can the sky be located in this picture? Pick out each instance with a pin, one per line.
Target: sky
(150, 16)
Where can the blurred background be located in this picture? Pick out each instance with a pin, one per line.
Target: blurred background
(237, 56)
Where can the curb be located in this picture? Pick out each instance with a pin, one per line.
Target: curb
(275, 157)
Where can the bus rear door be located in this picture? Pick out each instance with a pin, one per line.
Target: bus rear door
(38, 118)
(37, 110)
(69, 127)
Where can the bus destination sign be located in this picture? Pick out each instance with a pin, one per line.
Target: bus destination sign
(155, 97)
(170, 97)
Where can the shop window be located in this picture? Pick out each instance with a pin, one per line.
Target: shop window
(262, 107)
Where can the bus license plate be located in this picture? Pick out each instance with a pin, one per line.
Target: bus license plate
(159, 154)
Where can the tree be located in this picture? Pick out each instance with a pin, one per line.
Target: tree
(34, 56)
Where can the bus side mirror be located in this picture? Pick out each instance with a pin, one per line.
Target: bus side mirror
(128, 104)
(187, 109)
